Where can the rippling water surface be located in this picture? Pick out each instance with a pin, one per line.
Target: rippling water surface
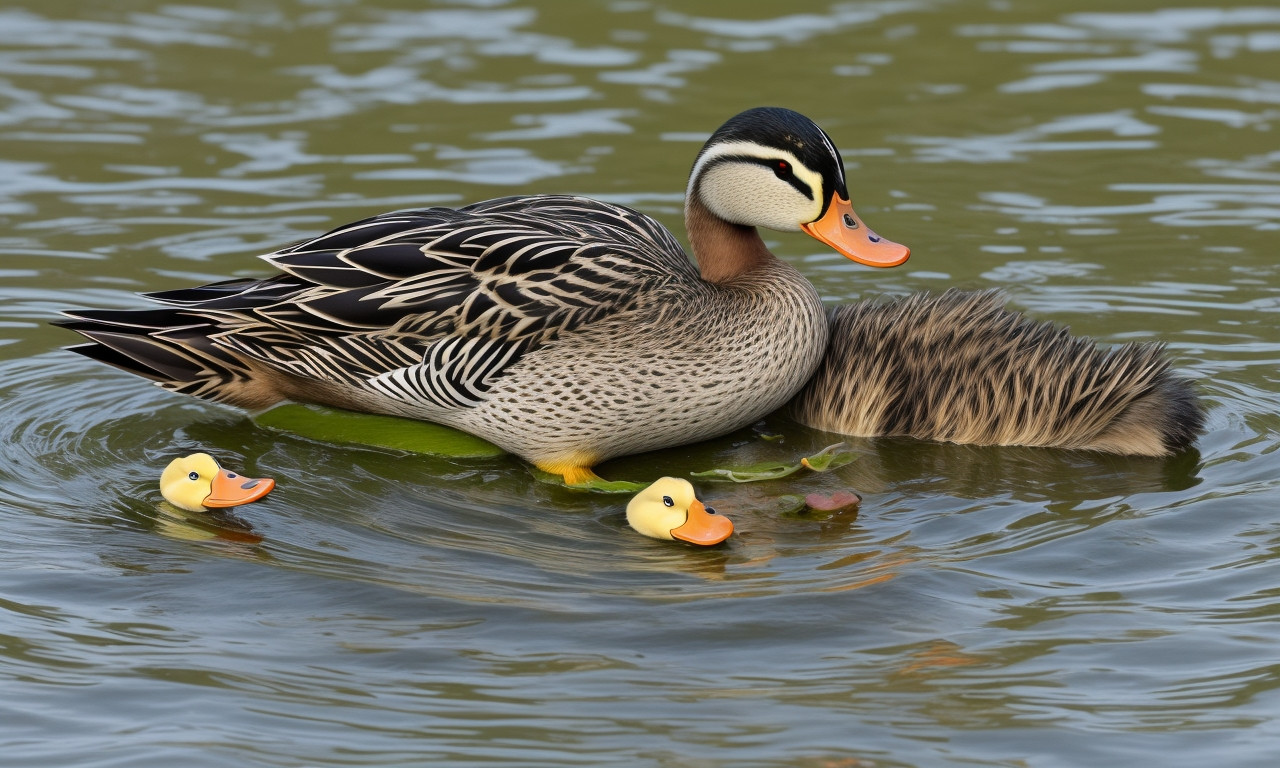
(1116, 171)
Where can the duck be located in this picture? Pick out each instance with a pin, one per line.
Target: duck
(197, 483)
(669, 509)
(563, 329)
(961, 367)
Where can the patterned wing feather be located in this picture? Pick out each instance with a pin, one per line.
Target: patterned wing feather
(432, 305)
(455, 372)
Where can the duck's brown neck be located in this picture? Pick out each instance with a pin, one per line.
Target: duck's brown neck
(723, 250)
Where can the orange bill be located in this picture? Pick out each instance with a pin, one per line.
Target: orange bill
(703, 527)
(232, 490)
(841, 229)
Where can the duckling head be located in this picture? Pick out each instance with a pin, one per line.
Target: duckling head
(668, 509)
(196, 483)
(772, 167)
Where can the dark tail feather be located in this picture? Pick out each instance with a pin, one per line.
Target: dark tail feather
(139, 350)
(959, 367)
(171, 347)
(105, 354)
(240, 294)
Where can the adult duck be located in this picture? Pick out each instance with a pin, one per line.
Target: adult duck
(960, 367)
(563, 329)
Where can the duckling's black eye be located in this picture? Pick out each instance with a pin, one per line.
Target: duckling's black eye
(782, 169)
(193, 475)
(667, 500)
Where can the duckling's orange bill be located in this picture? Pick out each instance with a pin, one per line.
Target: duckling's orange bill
(231, 490)
(703, 527)
(841, 229)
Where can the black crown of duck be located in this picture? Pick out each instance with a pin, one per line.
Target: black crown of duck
(563, 329)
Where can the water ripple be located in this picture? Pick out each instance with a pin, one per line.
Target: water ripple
(1020, 144)
(1195, 205)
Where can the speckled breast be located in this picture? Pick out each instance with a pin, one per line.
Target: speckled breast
(682, 368)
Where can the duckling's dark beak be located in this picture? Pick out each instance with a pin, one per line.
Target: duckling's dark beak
(841, 229)
(703, 527)
(231, 490)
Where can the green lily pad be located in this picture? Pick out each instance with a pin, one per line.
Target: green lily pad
(331, 425)
(828, 458)
(600, 485)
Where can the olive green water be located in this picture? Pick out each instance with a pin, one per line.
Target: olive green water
(1115, 171)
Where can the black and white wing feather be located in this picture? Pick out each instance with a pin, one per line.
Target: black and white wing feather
(431, 306)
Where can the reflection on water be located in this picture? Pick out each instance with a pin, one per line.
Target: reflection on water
(1111, 170)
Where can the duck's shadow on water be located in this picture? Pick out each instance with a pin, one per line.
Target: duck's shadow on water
(140, 437)
(905, 464)
(399, 513)
(966, 471)
(883, 468)
(969, 471)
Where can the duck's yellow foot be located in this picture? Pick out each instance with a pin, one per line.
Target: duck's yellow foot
(573, 474)
(578, 475)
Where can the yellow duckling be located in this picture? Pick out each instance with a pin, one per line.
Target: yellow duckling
(668, 509)
(197, 483)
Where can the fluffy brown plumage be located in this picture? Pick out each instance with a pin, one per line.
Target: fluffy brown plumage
(960, 367)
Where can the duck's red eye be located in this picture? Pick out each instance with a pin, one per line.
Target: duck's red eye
(782, 169)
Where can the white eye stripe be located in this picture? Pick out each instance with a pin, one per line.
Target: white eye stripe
(751, 149)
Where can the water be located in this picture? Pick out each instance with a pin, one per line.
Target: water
(1112, 170)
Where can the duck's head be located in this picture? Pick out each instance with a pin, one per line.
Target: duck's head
(668, 509)
(772, 167)
(196, 483)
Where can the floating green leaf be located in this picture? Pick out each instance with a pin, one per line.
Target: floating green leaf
(769, 470)
(600, 485)
(828, 458)
(331, 425)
